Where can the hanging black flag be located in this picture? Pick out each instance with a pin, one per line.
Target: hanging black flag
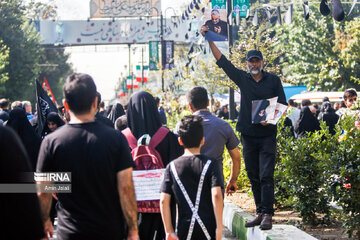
(167, 54)
(338, 11)
(278, 11)
(268, 14)
(324, 8)
(44, 106)
(306, 10)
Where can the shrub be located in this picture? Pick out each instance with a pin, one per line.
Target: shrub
(344, 183)
(243, 182)
(304, 178)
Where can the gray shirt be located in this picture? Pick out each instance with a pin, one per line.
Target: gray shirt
(218, 134)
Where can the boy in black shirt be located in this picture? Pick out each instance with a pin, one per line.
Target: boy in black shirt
(195, 181)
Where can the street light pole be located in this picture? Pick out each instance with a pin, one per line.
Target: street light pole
(162, 51)
(230, 38)
(142, 66)
(131, 90)
(162, 41)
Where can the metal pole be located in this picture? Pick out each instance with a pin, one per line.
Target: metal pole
(162, 51)
(142, 66)
(231, 91)
(131, 89)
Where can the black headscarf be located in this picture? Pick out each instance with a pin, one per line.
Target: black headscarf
(326, 108)
(306, 123)
(142, 114)
(117, 111)
(19, 122)
(55, 118)
(328, 115)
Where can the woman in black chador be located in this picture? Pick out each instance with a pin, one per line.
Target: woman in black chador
(19, 122)
(17, 209)
(328, 115)
(117, 111)
(306, 123)
(143, 118)
(53, 122)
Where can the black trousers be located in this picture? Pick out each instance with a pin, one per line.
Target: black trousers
(259, 155)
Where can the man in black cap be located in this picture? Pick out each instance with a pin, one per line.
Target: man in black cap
(259, 140)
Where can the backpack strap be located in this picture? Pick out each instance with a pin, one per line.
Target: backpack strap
(158, 136)
(130, 138)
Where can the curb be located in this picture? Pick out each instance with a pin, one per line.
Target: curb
(234, 218)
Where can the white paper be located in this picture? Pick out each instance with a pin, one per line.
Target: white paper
(147, 184)
(280, 109)
(263, 110)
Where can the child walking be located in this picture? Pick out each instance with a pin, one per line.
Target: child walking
(195, 182)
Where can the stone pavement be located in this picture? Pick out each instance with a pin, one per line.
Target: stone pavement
(234, 218)
(227, 235)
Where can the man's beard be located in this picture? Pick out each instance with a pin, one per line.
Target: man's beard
(255, 70)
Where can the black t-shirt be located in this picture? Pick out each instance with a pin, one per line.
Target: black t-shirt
(268, 87)
(189, 170)
(104, 120)
(93, 153)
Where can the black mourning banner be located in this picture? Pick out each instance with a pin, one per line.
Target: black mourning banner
(167, 54)
(44, 106)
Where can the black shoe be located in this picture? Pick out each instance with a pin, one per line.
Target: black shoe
(255, 222)
(266, 223)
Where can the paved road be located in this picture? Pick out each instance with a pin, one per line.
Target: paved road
(227, 235)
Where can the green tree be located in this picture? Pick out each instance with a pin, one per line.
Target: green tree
(24, 52)
(53, 61)
(4, 60)
(55, 68)
(311, 52)
(348, 42)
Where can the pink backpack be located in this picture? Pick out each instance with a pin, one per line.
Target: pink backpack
(147, 158)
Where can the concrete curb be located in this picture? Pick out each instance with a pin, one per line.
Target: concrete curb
(234, 218)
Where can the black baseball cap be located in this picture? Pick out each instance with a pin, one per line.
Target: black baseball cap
(254, 53)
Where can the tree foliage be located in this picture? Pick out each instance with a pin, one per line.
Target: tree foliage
(24, 52)
(27, 59)
(4, 61)
(55, 68)
(313, 52)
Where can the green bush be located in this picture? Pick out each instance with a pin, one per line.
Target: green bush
(300, 176)
(343, 164)
(283, 196)
(320, 168)
(243, 182)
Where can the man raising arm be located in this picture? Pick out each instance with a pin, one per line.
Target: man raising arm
(258, 140)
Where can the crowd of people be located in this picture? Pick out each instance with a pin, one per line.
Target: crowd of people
(93, 145)
(306, 118)
(102, 147)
